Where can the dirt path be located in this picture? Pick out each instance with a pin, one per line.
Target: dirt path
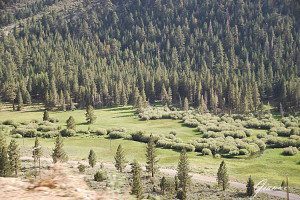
(197, 177)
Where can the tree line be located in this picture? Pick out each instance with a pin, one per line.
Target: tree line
(219, 55)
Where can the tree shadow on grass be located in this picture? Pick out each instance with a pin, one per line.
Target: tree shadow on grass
(119, 108)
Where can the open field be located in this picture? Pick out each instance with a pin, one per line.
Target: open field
(271, 165)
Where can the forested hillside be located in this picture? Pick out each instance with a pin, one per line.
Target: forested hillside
(222, 55)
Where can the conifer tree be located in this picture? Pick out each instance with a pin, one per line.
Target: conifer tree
(250, 187)
(222, 176)
(186, 104)
(14, 157)
(72, 106)
(37, 152)
(59, 155)
(151, 157)
(46, 115)
(20, 101)
(71, 123)
(120, 161)
(162, 185)
(183, 175)
(4, 162)
(137, 188)
(92, 158)
(90, 116)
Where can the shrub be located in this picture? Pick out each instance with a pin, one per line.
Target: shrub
(290, 151)
(53, 120)
(181, 146)
(248, 133)
(261, 135)
(45, 128)
(81, 168)
(8, 122)
(235, 134)
(211, 134)
(206, 151)
(142, 136)
(100, 176)
(17, 135)
(117, 135)
(218, 156)
(116, 129)
(243, 152)
(281, 131)
(101, 132)
(295, 131)
(67, 132)
(173, 133)
(50, 134)
(191, 123)
(29, 133)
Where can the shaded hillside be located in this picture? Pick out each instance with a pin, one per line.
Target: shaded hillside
(219, 55)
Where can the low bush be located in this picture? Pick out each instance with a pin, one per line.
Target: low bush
(235, 134)
(281, 131)
(50, 134)
(115, 129)
(100, 176)
(100, 132)
(17, 136)
(45, 128)
(81, 168)
(53, 120)
(28, 133)
(290, 151)
(117, 135)
(193, 123)
(295, 131)
(243, 152)
(142, 136)
(206, 151)
(67, 132)
(181, 146)
(261, 135)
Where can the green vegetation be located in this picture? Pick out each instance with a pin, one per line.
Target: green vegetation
(120, 161)
(137, 187)
(250, 187)
(92, 158)
(59, 154)
(183, 176)
(271, 164)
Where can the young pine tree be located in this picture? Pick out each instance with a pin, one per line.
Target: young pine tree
(71, 123)
(59, 155)
(4, 162)
(92, 158)
(183, 175)
(120, 161)
(37, 152)
(151, 157)
(90, 116)
(250, 187)
(137, 188)
(163, 183)
(222, 176)
(14, 157)
(46, 115)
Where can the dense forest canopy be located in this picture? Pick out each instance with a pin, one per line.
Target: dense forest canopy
(220, 55)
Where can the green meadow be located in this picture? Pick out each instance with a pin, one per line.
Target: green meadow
(271, 165)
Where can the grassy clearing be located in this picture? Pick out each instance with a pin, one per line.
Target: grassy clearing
(271, 165)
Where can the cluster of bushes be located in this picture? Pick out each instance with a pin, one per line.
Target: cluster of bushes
(281, 131)
(67, 132)
(44, 129)
(235, 134)
(153, 113)
(142, 136)
(277, 142)
(229, 146)
(119, 134)
(100, 131)
(290, 151)
(100, 176)
(291, 121)
(174, 144)
(265, 123)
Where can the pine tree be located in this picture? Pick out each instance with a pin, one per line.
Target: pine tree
(120, 161)
(14, 157)
(92, 158)
(137, 188)
(71, 123)
(90, 116)
(59, 155)
(46, 115)
(162, 185)
(250, 187)
(186, 104)
(183, 175)
(151, 157)
(222, 176)
(37, 152)
(4, 162)
(281, 110)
